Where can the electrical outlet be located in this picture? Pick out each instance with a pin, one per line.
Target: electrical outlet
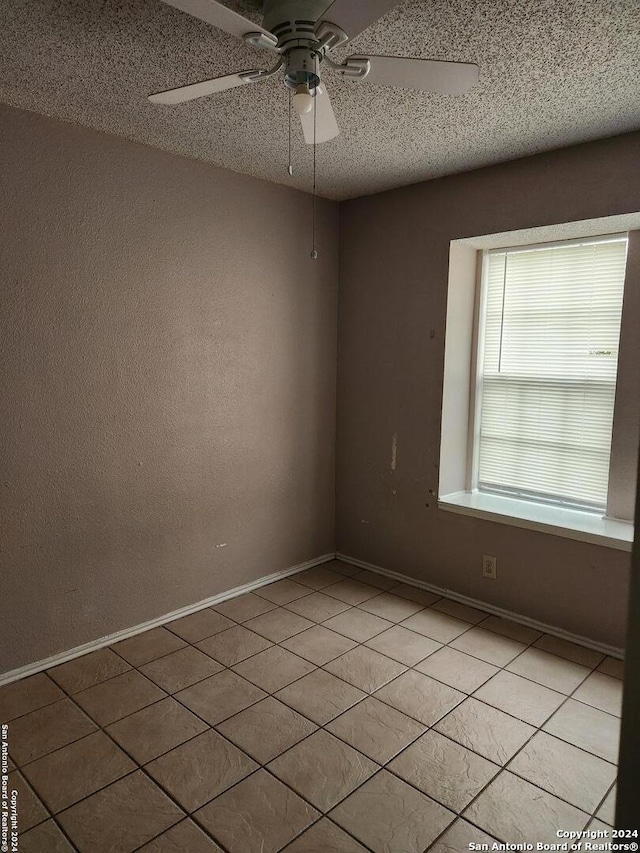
(489, 567)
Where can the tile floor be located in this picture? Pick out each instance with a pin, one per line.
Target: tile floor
(335, 710)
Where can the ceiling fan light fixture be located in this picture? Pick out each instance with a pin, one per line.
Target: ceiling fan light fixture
(302, 100)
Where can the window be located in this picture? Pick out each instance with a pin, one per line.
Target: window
(549, 329)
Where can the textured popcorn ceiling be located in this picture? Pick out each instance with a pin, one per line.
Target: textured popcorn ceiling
(552, 73)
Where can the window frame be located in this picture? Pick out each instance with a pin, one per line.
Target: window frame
(477, 362)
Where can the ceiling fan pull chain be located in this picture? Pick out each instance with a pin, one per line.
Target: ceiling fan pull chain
(314, 251)
(290, 167)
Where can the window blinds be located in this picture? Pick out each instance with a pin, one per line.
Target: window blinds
(548, 354)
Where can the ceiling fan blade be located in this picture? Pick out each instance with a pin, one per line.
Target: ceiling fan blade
(199, 90)
(429, 75)
(220, 16)
(354, 16)
(326, 126)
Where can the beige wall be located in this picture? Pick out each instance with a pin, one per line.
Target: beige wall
(394, 253)
(167, 383)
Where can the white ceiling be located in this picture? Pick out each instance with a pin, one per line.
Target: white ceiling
(552, 73)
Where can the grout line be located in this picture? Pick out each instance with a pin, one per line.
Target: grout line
(601, 803)
(187, 818)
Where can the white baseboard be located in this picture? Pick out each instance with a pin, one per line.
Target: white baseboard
(613, 651)
(63, 657)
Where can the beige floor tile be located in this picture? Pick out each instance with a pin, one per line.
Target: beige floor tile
(601, 691)
(122, 695)
(28, 694)
(375, 579)
(318, 644)
(67, 775)
(320, 696)
(46, 729)
(199, 625)
(31, 811)
(282, 592)
(120, 818)
(266, 729)
(358, 625)
(520, 697)
(244, 607)
(278, 625)
(460, 611)
(390, 816)
(457, 669)
(444, 769)
(85, 671)
(517, 812)
(488, 646)
(607, 811)
(322, 769)
(184, 837)
(220, 696)
(234, 645)
(45, 837)
(273, 669)
(318, 577)
(155, 730)
(342, 568)
(414, 593)
(552, 671)
(588, 728)
(260, 815)
(148, 646)
(436, 625)
(487, 731)
(364, 668)
(375, 729)
(459, 837)
(317, 607)
(351, 591)
(181, 669)
(420, 697)
(390, 606)
(612, 667)
(570, 651)
(514, 630)
(564, 770)
(324, 837)
(403, 645)
(200, 769)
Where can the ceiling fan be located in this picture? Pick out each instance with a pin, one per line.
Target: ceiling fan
(303, 33)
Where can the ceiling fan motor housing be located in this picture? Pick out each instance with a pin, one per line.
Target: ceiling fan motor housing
(292, 18)
(293, 22)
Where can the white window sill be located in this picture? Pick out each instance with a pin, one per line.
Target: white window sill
(570, 523)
